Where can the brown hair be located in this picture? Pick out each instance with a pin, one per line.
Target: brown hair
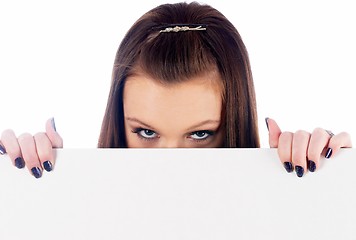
(175, 56)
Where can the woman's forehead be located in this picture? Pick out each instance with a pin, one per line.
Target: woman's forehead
(140, 83)
(195, 99)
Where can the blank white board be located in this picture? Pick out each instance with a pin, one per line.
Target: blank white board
(178, 194)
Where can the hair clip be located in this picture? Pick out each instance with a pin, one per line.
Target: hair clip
(183, 29)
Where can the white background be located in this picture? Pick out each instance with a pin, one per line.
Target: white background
(56, 59)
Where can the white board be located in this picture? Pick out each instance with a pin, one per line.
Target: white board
(178, 194)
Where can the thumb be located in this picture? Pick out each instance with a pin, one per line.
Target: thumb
(274, 132)
(54, 137)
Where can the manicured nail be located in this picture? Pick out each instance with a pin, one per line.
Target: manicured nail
(53, 124)
(288, 166)
(311, 166)
(266, 120)
(2, 150)
(299, 170)
(19, 163)
(47, 165)
(37, 173)
(328, 153)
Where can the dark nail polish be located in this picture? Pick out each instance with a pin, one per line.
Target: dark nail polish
(2, 150)
(53, 125)
(328, 153)
(47, 166)
(266, 120)
(19, 163)
(299, 170)
(288, 166)
(37, 173)
(311, 166)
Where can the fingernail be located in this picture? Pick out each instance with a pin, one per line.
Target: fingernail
(53, 124)
(328, 153)
(311, 166)
(19, 163)
(37, 173)
(266, 120)
(288, 166)
(299, 170)
(47, 166)
(2, 150)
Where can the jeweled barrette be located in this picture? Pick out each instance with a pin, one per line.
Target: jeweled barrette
(183, 29)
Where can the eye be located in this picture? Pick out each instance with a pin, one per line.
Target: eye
(145, 133)
(201, 135)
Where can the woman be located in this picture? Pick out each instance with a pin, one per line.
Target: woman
(181, 78)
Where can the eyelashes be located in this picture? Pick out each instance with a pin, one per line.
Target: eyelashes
(145, 134)
(201, 135)
(150, 135)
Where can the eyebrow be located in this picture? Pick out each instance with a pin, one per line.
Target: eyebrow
(205, 122)
(131, 119)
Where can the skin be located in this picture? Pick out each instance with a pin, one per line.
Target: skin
(184, 114)
(33, 150)
(300, 146)
(173, 116)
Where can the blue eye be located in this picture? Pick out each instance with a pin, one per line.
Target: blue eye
(201, 135)
(145, 133)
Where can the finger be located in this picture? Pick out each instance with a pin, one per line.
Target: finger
(299, 151)
(54, 137)
(28, 148)
(318, 141)
(274, 132)
(341, 140)
(285, 150)
(12, 148)
(44, 151)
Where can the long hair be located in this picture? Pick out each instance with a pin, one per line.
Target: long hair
(176, 56)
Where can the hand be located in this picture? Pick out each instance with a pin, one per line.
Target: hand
(35, 152)
(303, 150)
